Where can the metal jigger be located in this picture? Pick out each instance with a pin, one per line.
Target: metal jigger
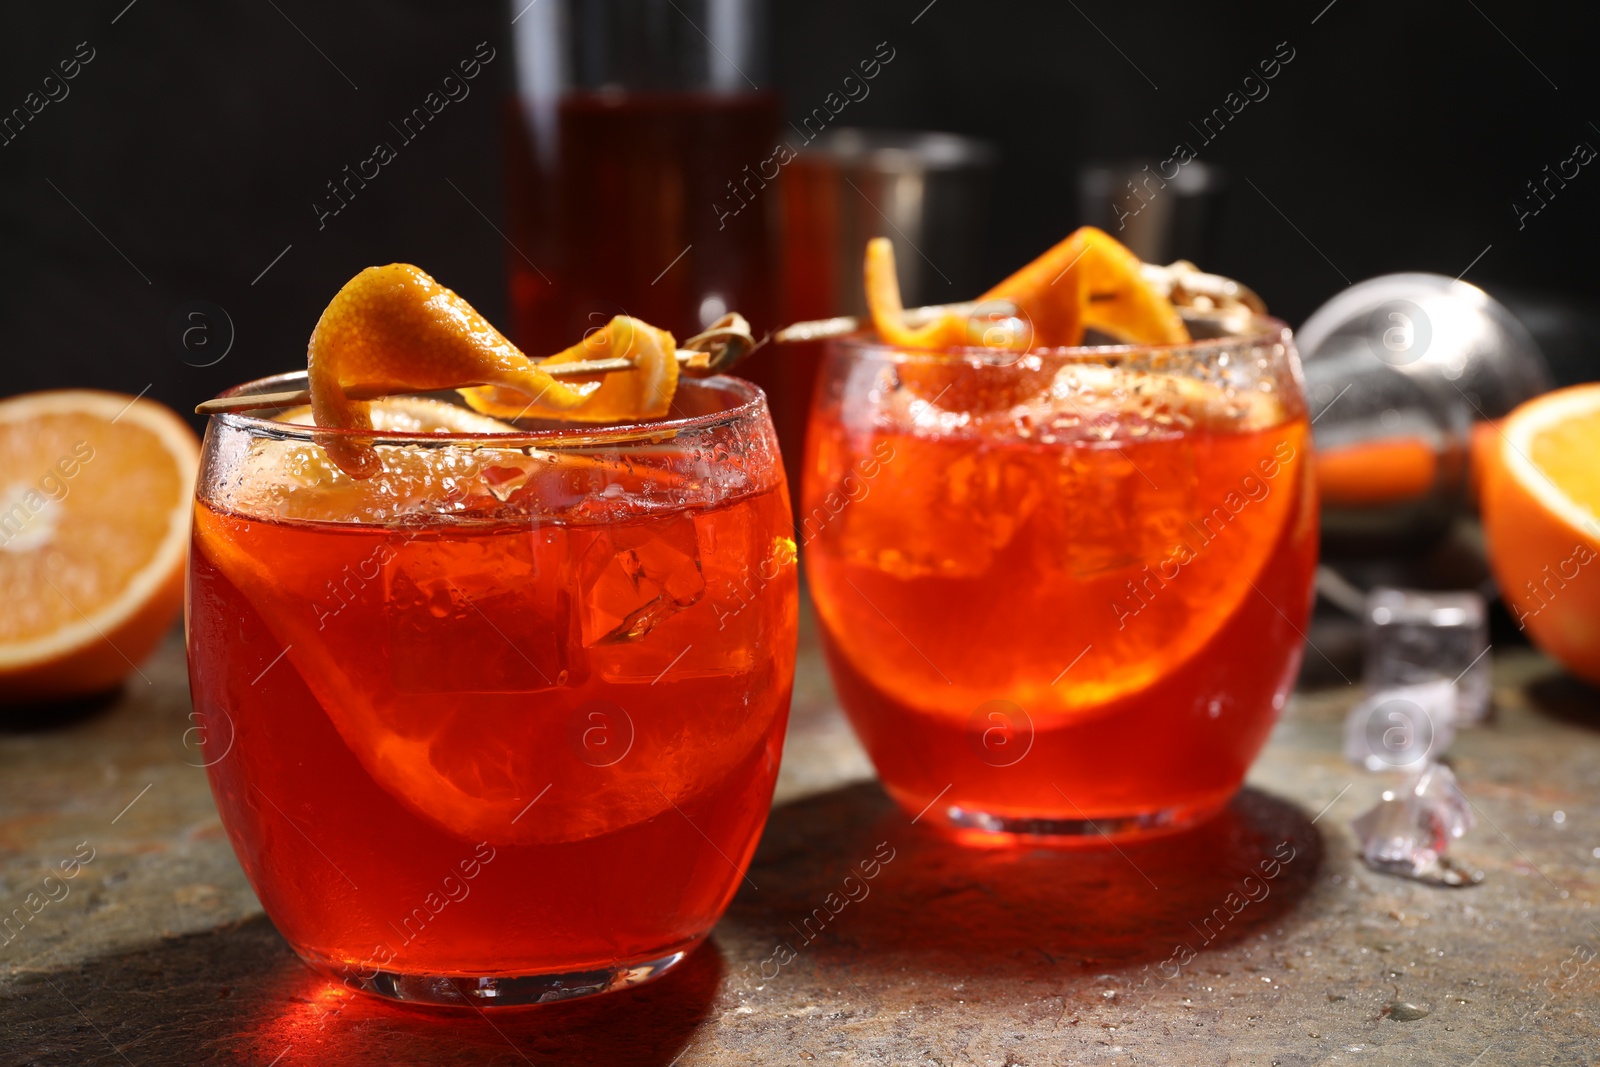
(1399, 370)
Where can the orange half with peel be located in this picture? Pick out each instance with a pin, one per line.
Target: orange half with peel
(1541, 515)
(94, 519)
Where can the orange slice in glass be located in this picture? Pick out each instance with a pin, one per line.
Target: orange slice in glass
(94, 519)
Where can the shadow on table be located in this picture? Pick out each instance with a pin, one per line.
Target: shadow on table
(860, 897)
(238, 995)
(1564, 697)
(40, 716)
(937, 907)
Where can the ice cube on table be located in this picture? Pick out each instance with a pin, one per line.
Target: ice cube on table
(1408, 831)
(1414, 637)
(635, 574)
(1402, 728)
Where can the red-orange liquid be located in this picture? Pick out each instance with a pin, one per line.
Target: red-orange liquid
(659, 205)
(1014, 630)
(436, 752)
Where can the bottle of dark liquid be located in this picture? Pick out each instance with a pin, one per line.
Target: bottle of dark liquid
(634, 155)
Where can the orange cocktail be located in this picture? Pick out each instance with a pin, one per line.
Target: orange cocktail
(498, 722)
(1062, 591)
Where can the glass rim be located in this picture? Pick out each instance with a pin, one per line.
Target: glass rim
(750, 403)
(1264, 330)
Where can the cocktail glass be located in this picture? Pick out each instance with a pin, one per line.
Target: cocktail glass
(1062, 593)
(500, 724)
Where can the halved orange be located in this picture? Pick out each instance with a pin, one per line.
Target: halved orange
(1541, 513)
(1089, 280)
(94, 519)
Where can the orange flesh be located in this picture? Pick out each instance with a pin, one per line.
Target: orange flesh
(1566, 453)
(1541, 522)
(85, 540)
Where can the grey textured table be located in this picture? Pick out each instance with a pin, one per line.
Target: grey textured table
(158, 952)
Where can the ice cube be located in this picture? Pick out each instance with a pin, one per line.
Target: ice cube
(1407, 832)
(1120, 505)
(1414, 637)
(636, 574)
(486, 594)
(933, 508)
(1402, 728)
(728, 631)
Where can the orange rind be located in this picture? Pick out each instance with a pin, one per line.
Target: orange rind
(643, 393)
(1087, 281)
(1541, 518)
(394, 329)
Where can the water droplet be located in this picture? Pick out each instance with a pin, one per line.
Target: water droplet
(1402, 1012)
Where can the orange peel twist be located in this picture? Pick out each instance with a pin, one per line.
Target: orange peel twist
(643, 393)
(394, 329)
(1089, 280)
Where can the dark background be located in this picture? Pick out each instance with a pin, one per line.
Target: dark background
(199, 136)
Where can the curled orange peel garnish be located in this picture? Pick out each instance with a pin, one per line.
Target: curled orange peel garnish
(393, 329)
(643, 393)
(888, 312)
(1089, 280)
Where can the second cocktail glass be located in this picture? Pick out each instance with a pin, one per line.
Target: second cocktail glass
(1062, 592)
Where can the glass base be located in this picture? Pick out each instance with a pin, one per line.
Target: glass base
(499, 990)
(975, 827)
